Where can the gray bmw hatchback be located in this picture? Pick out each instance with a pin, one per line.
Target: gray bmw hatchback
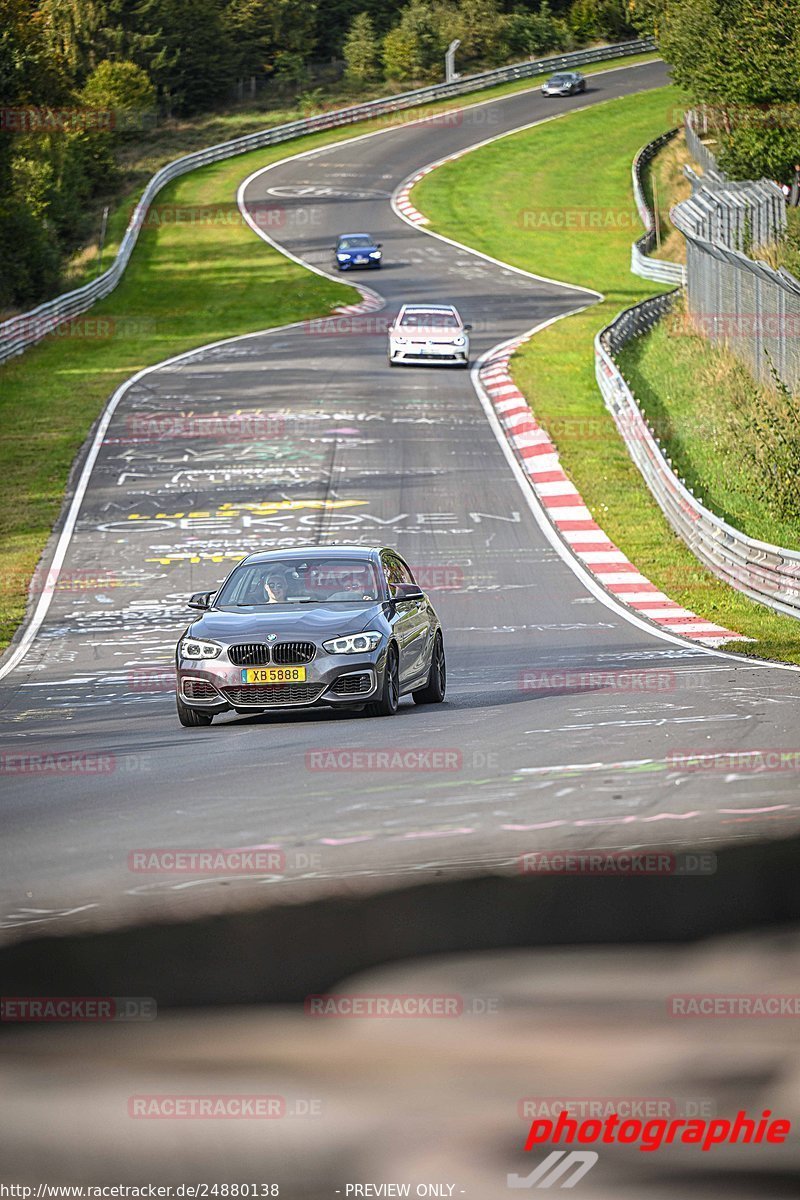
(337, 626)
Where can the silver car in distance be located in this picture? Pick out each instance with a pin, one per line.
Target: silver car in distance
(336, 626)
(429, 333)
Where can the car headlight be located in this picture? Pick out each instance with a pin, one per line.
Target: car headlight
(401, 341)
(374, 253)
(459, 341)
(193, 648)
(342, 257)
(354, 643)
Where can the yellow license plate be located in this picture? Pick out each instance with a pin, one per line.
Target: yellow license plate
(274, 675)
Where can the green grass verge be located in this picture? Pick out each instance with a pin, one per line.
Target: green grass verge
(185, 285)
(501, 199)
(735, 442)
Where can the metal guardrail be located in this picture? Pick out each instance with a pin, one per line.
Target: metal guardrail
(733, 298)
(19, 332)
(766, 573)
(651, 268)
(696, 127)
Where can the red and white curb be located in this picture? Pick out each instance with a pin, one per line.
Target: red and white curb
(564, 506)
(402, 202)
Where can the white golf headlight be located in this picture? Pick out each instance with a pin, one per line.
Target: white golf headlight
(459, 341)
(401, 341)
(354, 643)
(193, 648)
(374, 253)
(342, 257)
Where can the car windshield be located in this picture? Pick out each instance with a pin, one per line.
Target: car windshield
(359, 242)
(424, 320)
(560, 79)
(313, 580)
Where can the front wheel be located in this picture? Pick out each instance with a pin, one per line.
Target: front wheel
(390, 696)
(190, 718)
(434, 690)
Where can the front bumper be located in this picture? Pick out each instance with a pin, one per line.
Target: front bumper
(332, 681)
(350, 265)
(435, 353)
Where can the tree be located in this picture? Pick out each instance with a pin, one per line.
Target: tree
(125, 91)
(415, 48)
(361, 50)
(742, 57)
(536, 33)
(483, 31)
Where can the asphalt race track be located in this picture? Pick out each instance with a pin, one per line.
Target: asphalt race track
(350, 450)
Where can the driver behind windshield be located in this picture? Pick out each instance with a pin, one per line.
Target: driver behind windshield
(276, 588)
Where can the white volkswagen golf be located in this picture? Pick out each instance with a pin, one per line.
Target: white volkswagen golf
(429, 333)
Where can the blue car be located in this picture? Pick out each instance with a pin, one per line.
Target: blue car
(357, 250)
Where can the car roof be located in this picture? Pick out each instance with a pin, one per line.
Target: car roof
(347, 235)
(336, 551)
(429, 307)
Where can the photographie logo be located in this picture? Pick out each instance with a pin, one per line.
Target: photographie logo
(650, 1135)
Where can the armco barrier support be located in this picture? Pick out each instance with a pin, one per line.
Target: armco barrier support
(766, 573)
(651, 268)
(25, 330)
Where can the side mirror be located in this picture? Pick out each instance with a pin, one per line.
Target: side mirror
(200, 601)
(379, 245)
(408, 591)
(468, 327)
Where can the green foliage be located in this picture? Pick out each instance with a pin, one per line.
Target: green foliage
(743, 58)
(537, 33)
(124, 91)
(415, 48)
(361, 50)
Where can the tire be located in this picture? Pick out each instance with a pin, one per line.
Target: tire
(435, 688)
(390, 696)
(190, 718)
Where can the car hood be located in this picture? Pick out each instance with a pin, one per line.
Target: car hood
(313, 621)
